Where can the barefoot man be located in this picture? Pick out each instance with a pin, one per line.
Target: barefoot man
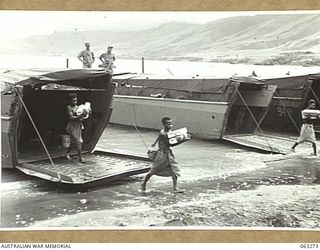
(75, 126)
(164, 163)
(307, 134)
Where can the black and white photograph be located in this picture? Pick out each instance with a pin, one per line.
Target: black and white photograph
(160, 120)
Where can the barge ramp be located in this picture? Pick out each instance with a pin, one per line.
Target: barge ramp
(100, 168)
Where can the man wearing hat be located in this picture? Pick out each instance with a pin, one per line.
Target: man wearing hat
(307, 134)
(86, 57)
(107, 59)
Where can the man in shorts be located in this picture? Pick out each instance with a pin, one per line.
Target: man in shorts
(107, 59)
(86, 57)
(307, 134)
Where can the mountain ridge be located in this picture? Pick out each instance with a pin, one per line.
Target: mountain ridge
(259, 39)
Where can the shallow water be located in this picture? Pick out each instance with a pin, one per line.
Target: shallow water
(211, 171)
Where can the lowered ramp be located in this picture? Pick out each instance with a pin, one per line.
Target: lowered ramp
(100, 168)
(267, 143)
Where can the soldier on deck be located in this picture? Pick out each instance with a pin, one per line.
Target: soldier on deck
(86, 57)
(107, 59)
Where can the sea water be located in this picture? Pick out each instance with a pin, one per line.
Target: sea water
(158, 67)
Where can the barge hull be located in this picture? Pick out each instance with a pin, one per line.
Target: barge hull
(204, 119)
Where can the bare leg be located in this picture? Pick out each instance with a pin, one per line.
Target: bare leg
(70, 147)
(79, 147)
(314, 148)
(146, 179)
(174, 181)
(175, 184)
(294, 146)
(68, 153)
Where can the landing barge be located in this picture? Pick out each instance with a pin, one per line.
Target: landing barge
(292, 95)
(211, 108)
(33, 118)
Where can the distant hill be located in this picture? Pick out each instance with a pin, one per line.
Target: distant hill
(260, 39)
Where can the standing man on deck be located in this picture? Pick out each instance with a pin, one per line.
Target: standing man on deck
(307, 134)
(75, 126)
(86, 57)
(107, 59)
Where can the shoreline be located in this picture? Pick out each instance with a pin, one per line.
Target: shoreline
(268, 207)
(295, 58)
(267, 199)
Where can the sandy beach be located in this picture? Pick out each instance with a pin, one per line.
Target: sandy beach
(265, 207)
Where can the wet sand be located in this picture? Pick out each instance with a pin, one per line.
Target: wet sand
(225, 186)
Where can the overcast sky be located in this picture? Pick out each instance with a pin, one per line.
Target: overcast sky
(17, 24)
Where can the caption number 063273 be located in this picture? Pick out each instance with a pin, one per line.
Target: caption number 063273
(309, 246)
